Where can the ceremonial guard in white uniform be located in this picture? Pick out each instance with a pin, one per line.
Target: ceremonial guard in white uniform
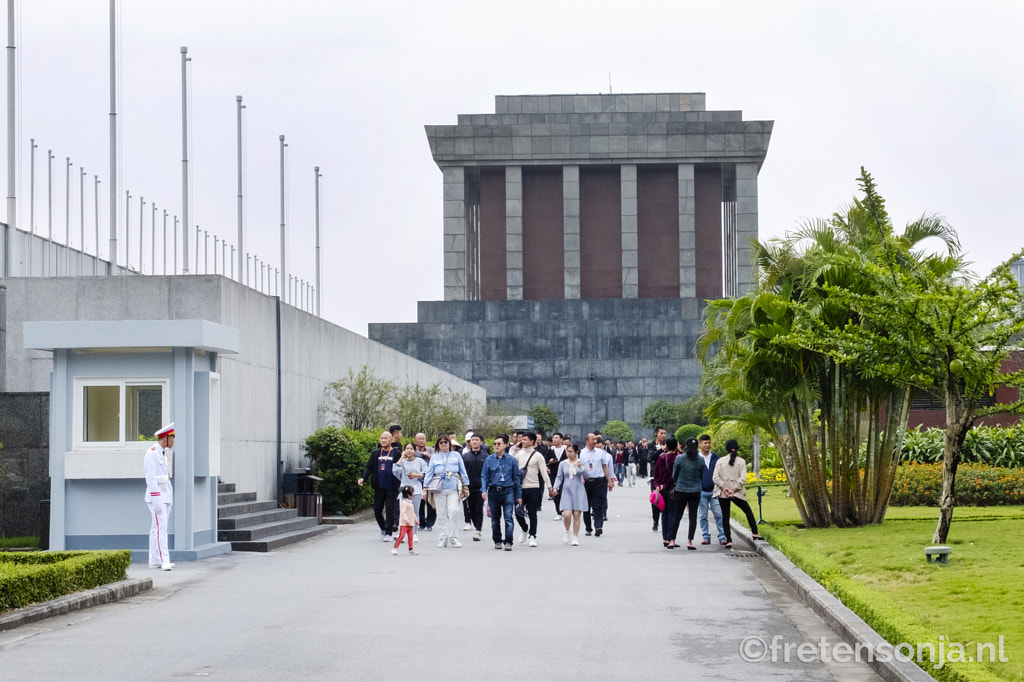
(159, 497)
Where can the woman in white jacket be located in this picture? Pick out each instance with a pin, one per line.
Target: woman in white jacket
(451, 469)
(730, 477)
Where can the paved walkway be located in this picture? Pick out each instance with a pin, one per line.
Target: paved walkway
(341, 607)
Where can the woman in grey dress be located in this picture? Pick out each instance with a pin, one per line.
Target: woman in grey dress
(569, 482)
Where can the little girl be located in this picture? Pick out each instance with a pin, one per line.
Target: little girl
(406, 520)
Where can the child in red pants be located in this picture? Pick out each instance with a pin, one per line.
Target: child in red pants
(406, 520)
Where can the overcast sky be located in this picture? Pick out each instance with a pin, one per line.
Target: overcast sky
(928, 96)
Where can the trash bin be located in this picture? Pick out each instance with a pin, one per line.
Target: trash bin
(290, 484)
(308, 501)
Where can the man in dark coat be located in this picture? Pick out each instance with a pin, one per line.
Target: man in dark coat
(385, 486)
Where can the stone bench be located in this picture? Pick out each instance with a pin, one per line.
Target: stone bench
(939, 552)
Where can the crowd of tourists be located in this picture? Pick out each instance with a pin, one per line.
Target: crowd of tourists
(450, 484)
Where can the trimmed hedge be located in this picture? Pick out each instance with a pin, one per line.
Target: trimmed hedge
(339, 457)
(977, 485)
(689, 431)
(31, 577)
(893, 624)
(920, 485)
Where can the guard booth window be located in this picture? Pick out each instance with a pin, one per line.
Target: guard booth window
(120, 412)
(102, 405)
(142, 412)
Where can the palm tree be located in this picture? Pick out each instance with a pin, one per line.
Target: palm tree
(784, 350)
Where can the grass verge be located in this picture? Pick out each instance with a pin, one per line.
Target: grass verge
(7, 543)
(880, 572)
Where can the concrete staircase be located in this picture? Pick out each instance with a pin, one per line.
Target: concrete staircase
(252, 526)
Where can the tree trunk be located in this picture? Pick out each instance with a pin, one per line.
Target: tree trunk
(950, 461)
(957, 424)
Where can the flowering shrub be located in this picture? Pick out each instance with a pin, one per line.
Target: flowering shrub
(768, 475)
(977, 485)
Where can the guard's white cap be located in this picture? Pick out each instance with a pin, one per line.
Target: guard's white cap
(166, 431)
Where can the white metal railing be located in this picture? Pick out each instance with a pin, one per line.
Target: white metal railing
(23, 254)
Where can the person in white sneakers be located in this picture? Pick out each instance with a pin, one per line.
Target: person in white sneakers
(569, 483)
(533, 469)
(449, 467)
(159, 497)
(556, 453)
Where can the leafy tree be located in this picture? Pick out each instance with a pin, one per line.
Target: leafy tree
(360, 401)
(545, 420)
(950, 338)
(434, 409)
(738, 431)
(669, 416)
(363, 400)
(692, 409)
(843, 424)
(617, 430)
(497, 421)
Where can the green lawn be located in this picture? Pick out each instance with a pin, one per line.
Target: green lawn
(881, 573)
(7, 543)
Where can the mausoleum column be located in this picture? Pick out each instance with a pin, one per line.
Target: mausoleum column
(630, 278)
(687, 234)
(571, 229)
(454, 234)
(746, 225)
(514, 232)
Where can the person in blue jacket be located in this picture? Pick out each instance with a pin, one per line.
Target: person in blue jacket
(501, 490)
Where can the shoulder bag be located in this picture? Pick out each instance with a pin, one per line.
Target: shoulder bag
(436, 481)
(522, 472)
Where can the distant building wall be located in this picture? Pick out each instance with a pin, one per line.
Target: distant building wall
(589, 360)
(658, 231)
(314, 353)
(592, 142)
(24, 433)
(929, 412)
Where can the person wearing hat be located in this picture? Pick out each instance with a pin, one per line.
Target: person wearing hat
(159, 497)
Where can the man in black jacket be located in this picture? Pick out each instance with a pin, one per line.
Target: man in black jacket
(554, 456)
(474, 455)
(385, 486)
(641, 456)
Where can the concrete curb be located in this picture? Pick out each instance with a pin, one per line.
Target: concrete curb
(358, 517)
(104, 594)
(843, 621)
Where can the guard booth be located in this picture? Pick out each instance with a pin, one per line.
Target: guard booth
(113, 385)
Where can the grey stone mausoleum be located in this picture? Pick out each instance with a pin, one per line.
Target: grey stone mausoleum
(582, 234)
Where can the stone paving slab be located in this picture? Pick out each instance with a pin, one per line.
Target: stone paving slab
(340, 606)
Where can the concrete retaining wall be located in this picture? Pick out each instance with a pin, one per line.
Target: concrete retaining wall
(314, 353)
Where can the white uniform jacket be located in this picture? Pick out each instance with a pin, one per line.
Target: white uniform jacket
(158, 478)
